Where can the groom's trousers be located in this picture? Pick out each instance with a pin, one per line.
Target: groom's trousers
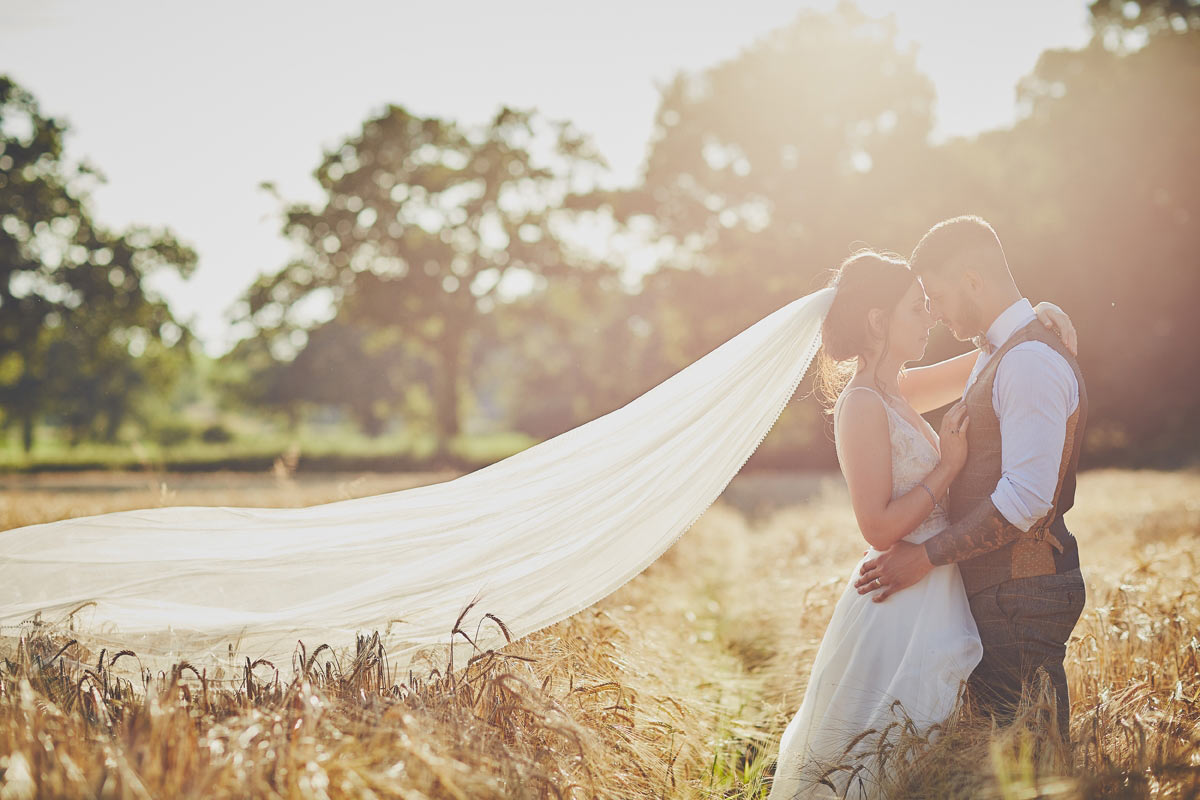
(1024, 624)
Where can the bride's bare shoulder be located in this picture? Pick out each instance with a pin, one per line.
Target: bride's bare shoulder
(860, 412)
(861, 433)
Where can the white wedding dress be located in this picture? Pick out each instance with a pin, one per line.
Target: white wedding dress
(917, 647)
(442, 572)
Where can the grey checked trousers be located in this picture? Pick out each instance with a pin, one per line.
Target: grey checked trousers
(1024, 624)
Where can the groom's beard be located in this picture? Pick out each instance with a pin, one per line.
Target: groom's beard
(969, 323)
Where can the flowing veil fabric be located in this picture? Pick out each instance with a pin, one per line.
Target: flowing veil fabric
(534, 538)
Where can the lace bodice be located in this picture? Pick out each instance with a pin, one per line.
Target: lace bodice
(913, 457)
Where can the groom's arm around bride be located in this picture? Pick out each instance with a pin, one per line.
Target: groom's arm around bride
(1027, 403)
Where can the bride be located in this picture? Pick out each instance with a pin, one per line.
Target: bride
(455, 568)
(904, 660)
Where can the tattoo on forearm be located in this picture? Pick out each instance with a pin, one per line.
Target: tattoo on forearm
(981, 531)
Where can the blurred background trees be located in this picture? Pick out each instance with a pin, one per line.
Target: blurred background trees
(83, 343)
(456, 280)
(424, 226)
(1096, 195)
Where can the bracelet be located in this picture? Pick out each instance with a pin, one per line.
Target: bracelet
(930, 491)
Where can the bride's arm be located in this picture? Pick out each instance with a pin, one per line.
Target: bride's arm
(927, 388)
(864, 444)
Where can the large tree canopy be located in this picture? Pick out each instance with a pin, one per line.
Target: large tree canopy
(425, 227)
(769, 167)
(442, 256)
(764, 169)
(1151, 17)
(1111, 138)
(81, 337)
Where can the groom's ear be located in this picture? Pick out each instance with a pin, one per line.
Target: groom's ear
(973, 280)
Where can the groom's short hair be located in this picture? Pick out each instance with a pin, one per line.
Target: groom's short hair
(959, 236)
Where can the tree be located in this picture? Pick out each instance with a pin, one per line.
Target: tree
(573, 352)
(81, 336)
(1113, 135)
(343, 364)
(1094, 193)
(763, 172)
(768, 166)
(423, 227)
(764, 169)
(1111, 18)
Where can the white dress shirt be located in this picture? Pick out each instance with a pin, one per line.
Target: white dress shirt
(1034, 394)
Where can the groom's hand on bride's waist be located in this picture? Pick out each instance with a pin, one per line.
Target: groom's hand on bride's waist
(902, 565)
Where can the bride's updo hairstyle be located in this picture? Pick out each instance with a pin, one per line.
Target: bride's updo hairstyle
(868, 279)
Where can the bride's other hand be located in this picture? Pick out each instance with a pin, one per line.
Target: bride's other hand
(953, 436)
(899, 567)
(1057, 320)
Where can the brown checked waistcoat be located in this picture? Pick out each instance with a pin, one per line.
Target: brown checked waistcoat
(1047, 547)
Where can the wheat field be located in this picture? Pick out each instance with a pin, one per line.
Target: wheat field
(678, 685)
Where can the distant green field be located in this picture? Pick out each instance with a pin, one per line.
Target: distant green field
(316, 449)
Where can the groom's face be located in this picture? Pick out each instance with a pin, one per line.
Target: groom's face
(950, 303)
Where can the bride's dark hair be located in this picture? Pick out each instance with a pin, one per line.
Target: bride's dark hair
(867, 279)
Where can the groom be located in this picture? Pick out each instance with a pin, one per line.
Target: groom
(1027, 406)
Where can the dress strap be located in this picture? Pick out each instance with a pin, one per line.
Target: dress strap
(888, 410)
(875, 392)
(867, 388)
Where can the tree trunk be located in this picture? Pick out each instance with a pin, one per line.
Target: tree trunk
(447, 380)
(112, 425)
(292, 413)
(27, 431)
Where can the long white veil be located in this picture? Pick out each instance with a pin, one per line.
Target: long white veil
(533, 538)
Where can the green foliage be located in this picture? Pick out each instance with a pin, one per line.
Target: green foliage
(422, 224)
(438, 275)
(767, 169)
(1149, 17)
(1096, 199)
(171, 433)
(81, 338)
(182, 447)
(571, 353)
(769, 165)
(216, 434)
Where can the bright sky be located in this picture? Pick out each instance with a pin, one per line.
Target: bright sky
(186, 108)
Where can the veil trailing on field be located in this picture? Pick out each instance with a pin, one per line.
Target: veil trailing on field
(534, 538)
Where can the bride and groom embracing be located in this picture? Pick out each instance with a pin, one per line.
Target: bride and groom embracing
(972, 577)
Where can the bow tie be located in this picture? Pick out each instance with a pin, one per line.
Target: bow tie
(983, 344)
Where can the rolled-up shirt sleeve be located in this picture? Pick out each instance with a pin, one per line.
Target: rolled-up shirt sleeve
(1034, 394)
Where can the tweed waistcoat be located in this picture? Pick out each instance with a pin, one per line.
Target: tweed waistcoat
(1047, 548)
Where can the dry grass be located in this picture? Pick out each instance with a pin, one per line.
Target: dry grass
(677, 685)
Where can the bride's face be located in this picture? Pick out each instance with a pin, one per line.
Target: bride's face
(910, 325)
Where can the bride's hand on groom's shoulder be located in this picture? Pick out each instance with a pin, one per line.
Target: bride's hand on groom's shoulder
(1057, 320)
